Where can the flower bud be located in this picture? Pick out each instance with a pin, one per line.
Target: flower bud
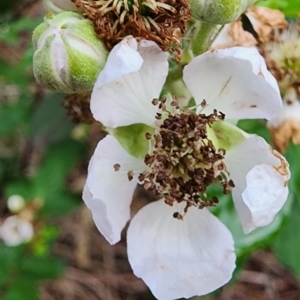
(68, 56)
(57, 6)
(219, 11)
(15, 231)
(15, 203)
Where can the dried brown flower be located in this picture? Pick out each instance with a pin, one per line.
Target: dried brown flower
(286, 125)
(161, 21)
(264, 21)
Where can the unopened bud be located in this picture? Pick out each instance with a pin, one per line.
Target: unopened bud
(15, 231)
(219, 11)
(15, 203)
(68, 56)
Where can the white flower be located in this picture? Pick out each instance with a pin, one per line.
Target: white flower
(193, 255)
(15, 231)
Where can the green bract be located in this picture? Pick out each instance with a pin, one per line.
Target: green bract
(68, 56)
(219, 11)
(132, 138)
(225, 135)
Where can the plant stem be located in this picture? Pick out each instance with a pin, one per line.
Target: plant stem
(204, 37)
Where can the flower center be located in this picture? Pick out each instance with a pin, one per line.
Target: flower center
(183, 161)
(161, 21)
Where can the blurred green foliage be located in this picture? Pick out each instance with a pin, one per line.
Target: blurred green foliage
(31, 126)
(291, 8)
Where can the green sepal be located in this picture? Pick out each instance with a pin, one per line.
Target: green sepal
(225, 135)
(37, 33)
(132, 138)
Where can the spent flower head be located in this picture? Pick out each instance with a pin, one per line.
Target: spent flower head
(283, 56)
(255, 27)
(286, 125)
(162, 21)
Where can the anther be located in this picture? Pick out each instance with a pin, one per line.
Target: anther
(117, 167)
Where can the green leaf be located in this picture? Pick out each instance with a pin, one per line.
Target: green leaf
(60, 204)
(10, 32)
(22, 289)
(288, 7)
(19, 186)
(287, 244)
(292, 154)
(41, 268)
(260, 237)
(14, 117)
(50, 122)
(20, 74)
(58, 162)
(9, 259)
(255, 127)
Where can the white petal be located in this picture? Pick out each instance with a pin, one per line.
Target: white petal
(133, 76)
(258, 63)
(229, 85)
(265, 194)
(223, 37)
(179, 258)
(108, 193)
(260, 175)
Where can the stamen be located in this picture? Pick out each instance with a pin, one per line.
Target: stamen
(117, 167)
(122, 17)
(154, 23)
(130, 175)
(183, 161)
(150, 5)
(167, 7)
